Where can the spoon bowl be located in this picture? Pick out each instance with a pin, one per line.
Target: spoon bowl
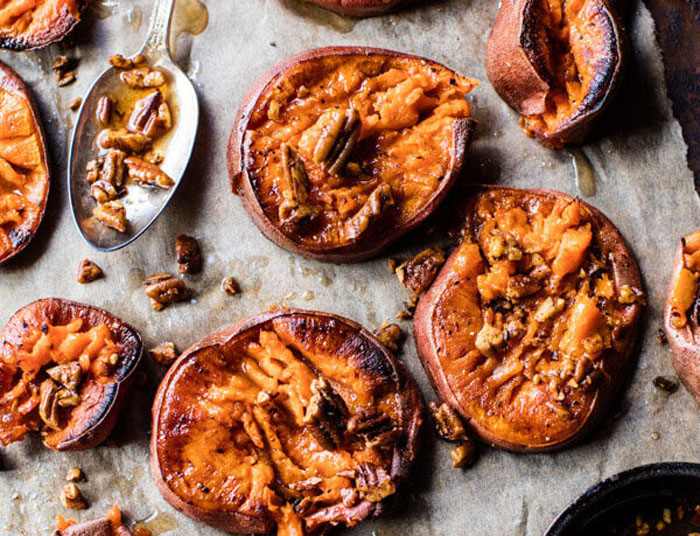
(143, 205)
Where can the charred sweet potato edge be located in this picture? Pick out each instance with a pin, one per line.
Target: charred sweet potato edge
(625, 272)
(518, 74)
(683, 337)
(57, 311)
(54, 32)
(233, 521)
(12, 83)
(353, 252)
(360, 8)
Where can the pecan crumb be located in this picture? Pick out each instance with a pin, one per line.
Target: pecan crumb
(661, 337)
(88, 271)
(63, 68)
(188, 254)
(669, 384)
(409, 309)
(164, 289)
(448, 424)
(72, 498)
(75, 103)
(389, 335)
(75, 475)
(164, 354)
(418, 272)
(464, 454)
(230, 286)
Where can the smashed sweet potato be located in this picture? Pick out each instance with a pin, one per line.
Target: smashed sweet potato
(26, 25)
(682, 313)
(24, 167)
(291, 419)
(528, 330)
(338, 151)
(557, 63)
(65, 370)
(360, 8)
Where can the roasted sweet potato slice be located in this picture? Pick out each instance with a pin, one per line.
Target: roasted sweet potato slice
(682, 313)
(557, 63)
(24, 167)
(528, 329)
(291, 419)
(65, 370)
(360, 8)
(30, 24)
(338, 151)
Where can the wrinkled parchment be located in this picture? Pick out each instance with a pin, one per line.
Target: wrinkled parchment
(643, 185)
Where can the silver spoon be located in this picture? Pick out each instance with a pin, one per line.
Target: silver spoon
(143, 205)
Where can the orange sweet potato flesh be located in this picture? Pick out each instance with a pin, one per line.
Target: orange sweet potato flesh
(528, 330)
(360, 8)
(681, 318)
(412, 123)
(24, 168)
(557, 63)
(53, 332)
(30, 24)
(237, 444)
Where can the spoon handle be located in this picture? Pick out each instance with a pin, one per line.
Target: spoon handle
(159, 29)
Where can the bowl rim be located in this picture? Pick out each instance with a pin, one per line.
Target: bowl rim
(570, 515)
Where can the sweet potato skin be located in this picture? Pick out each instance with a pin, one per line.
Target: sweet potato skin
(361, 8)
(353, 252)
(684, 342)
(236, 522)
(97, 427)
(626, 272)
(60, 27)
(11, 82)
(521, 80)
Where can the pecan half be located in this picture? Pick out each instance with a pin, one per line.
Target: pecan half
(165, 288)
(112, 169)
(151, 116)
(375, 205)
(188, 254)
(373, 482)
(448, 424)
(112, 214)
(93, 169)
(88, 271)
(339, 133)
(130, 142)
(120, 62)
(69, 375)
(143, 77)
(164, 354)
(375, 427)
(328, 414)
(147, 174)
(389, 335)
(103, 112)
(418, 272)
(48, 404)
(293, 208)
(72, 497)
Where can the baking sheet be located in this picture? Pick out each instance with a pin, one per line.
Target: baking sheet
(643, 185)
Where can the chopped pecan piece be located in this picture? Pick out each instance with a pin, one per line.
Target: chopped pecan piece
(375, 205)
(328, 412)
(310, 484)
(669, 384)
(48, 404)
(60, 63)
(69, 375)
(130, 142)
(88, 271)
(490, 340)
(72, 497)
(373, 483)
(103, 112)
(389, 335)
(188, 254)
(339, 133)
(164, 354)
(143, 77)
(464, 454)
(93, 169)
(230, 286)
(65, 79)
(522, 286)
(75, 474)
(112, 214)
(375, 427)
(147, 174)
(103, 191)
(120, 62)
(151, 116)
(165, 288)
(418, 272)
(293, 208)
(448, 424)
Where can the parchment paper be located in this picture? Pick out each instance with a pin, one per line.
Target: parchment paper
(643, 183)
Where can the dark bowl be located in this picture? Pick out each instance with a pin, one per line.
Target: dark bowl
(643, 491)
